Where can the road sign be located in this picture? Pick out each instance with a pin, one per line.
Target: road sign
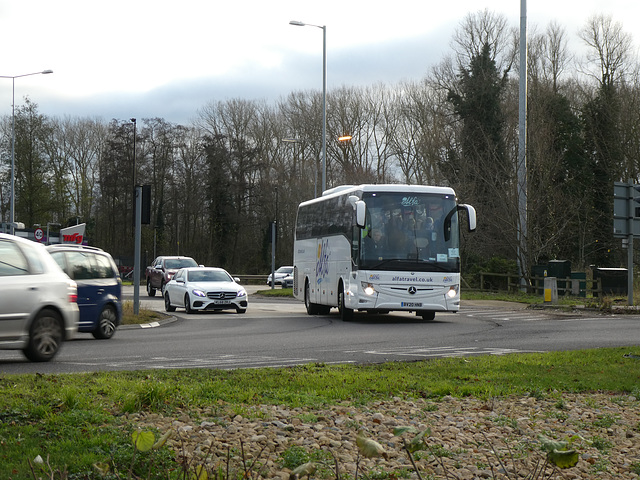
(39, 234)
(626, 210)
(626, 222)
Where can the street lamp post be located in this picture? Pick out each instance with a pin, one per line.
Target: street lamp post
(324, 96)
(137, 222)
(50, 225)
(13, 143)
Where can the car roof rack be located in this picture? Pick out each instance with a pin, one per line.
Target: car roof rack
(74, 246)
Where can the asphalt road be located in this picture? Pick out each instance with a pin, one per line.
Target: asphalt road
(276, 333)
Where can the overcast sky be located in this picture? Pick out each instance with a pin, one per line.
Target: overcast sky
(159, 58)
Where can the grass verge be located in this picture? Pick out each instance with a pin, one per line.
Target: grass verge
(144, 315)
(276, 292)
(79, 420)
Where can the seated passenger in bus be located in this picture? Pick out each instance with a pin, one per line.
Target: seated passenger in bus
(429, 240)
(374, 245)
(400, 245)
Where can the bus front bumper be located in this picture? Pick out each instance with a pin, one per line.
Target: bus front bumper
(397, 298)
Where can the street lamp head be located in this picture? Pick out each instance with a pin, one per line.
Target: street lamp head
(133, 120)
(297, 23)
(46, 72)
(345, 138)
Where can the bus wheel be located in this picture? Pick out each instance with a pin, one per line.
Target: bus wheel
(312, 308)
(426, 315)
(346, 314)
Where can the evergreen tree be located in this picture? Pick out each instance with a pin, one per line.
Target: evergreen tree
(604, 149)
(33, 180)
(480, 167)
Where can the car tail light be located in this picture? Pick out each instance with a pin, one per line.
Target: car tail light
(73, 292)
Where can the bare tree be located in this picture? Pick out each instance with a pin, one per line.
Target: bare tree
(77, 146)
(610, 47)
(423, 133)
(234, 153)
(359, 113)
(485, 28)
(301, 114)
(549, 56)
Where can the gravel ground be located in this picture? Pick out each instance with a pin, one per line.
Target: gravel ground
(468, 438)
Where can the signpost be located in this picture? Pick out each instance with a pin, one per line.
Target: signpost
(626, 222)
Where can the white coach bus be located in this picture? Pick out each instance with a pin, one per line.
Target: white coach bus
(380, 248)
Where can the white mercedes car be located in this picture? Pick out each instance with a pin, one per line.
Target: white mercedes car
(199, 289)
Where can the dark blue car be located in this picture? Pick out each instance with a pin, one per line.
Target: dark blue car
(99, 287)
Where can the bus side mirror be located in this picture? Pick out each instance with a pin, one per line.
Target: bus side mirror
(471, 216)
(471, 219)
(361, 213)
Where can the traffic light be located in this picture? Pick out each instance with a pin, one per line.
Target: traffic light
(273, 232)
(146, 204)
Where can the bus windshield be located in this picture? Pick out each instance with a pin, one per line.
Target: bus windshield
(416, 231)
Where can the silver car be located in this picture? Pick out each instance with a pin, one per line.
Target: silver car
(38, 301)
(204, 289)
(280, 274)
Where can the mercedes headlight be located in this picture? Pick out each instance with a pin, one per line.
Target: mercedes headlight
(453, 291)
(367, 288)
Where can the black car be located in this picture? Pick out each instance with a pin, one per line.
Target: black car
(99, 287)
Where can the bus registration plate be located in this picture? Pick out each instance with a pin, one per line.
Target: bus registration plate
(411, 304)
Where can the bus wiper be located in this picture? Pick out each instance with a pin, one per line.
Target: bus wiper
(383, 263)
(418, 263)
(436, 267)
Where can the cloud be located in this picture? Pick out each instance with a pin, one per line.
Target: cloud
(179, 101)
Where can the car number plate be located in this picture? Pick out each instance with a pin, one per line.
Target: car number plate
(220, 302)
(411, 304)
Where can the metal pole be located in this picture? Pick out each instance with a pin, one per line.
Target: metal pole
(324, 108)
(522, 148)
(136, 254)
(13, 158)
(273, 255)
(133, 120)
(137, 189)
(324, 97)
(630, 270)
(631, 216)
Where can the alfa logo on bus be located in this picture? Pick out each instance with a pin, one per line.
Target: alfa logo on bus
(322, 262)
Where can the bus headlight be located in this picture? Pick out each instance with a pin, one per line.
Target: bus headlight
(367, 288)
(453, 291)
